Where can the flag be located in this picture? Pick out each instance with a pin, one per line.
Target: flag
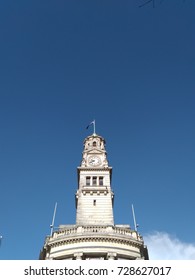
(93, 122)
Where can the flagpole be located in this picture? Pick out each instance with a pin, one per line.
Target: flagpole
(92, 123)
(94, 127)
(53, 220)
(135, 224)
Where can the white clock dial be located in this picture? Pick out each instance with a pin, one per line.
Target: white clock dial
(94, 160)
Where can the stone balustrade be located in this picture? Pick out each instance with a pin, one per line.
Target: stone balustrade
(94, 230)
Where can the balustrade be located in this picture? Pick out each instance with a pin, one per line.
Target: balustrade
(79, 230)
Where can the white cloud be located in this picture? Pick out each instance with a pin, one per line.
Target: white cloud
(162, 246)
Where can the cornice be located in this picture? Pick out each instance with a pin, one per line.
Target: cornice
(83, 239)
(88, 168)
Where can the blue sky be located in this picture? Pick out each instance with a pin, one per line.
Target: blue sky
(64, 63)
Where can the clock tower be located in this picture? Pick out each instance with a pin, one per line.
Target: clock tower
(95, 235)
(94, 197)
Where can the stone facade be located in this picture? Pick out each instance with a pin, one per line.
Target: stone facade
(94, 236)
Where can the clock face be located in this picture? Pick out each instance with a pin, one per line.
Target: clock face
(94, 160)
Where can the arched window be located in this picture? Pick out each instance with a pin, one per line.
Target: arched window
(94, 144)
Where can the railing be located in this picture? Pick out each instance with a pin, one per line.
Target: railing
(79, 230)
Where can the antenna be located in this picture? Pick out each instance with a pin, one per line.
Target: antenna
(135, 224)
(53, 220)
